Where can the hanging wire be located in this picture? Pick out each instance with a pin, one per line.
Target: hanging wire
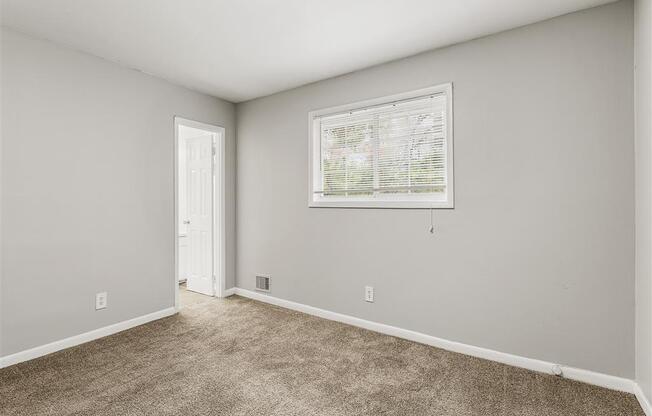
(432, 222)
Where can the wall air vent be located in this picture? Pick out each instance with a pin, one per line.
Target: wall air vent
(263, 283)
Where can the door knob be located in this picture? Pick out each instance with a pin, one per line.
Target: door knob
(186, 222)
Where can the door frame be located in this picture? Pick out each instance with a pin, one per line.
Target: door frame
(219, 200)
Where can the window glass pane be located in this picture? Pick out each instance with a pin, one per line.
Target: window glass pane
(395, 150)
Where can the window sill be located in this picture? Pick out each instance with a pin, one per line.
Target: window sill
(383, 204)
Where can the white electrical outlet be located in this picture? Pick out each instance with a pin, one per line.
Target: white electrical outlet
(100, 300)
(369, 293)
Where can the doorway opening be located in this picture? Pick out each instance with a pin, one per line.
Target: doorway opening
(199, 219)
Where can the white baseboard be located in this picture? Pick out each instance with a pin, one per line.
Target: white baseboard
(55, 346)
(643, 401)
(586, 376)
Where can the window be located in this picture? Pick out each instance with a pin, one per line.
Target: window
(391, 152)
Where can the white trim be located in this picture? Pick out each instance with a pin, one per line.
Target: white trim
(175, 216)
(642, 400)
(387, 201)
(219, 249)
(382, 204)
(55, 346)
(590, 377)
(221, 195)
(586, 376)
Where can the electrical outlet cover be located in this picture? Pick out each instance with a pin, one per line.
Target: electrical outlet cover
(369, 293)
(100, 300)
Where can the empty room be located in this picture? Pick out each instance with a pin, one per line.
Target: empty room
(311, 207)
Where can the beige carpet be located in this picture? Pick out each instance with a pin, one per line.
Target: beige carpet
(189, 298)
(240, 357)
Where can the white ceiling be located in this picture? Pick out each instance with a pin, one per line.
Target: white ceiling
(242, 49)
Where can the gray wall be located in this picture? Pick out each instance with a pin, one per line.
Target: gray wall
(643, 180)
(536, 259)
(87, 190)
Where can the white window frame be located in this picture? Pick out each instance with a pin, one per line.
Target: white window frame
(386, 201)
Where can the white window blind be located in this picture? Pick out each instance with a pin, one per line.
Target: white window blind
(386, 154)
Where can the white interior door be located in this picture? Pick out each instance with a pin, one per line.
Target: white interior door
(199, 153)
